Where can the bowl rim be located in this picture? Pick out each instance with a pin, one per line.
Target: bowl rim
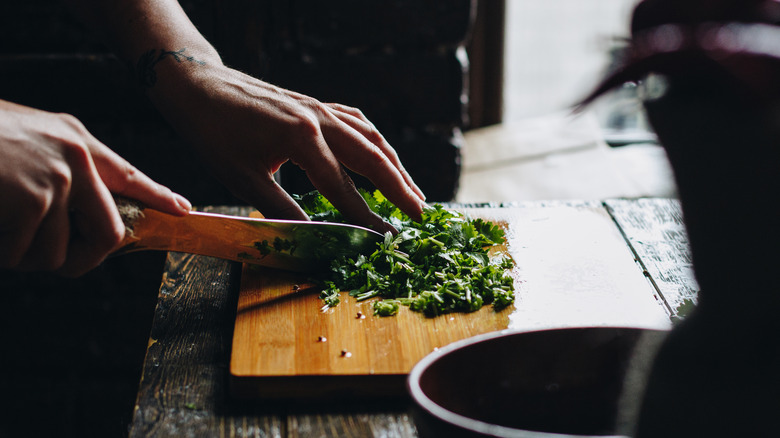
(437, 411)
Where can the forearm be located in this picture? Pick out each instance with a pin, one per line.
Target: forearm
(244, 128)
(169, 57)
(148, 34)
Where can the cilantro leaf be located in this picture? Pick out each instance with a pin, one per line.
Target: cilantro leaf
(436, 266)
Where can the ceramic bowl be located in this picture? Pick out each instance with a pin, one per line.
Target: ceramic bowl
(540, 384)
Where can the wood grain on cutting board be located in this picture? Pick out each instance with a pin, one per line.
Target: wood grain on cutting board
(286, 346)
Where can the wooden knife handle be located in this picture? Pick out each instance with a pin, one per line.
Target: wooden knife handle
(130, 210)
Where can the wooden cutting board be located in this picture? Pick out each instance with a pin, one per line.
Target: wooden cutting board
(286, 346)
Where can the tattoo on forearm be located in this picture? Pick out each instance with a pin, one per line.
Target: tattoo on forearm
(145, 73)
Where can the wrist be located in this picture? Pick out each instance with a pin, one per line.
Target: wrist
(172, 75)
(179, 83)
(172, 64)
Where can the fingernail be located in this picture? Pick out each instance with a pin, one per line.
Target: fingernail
(185, 205)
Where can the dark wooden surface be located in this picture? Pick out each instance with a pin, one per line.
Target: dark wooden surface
(183, 389)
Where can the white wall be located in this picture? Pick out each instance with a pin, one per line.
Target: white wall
(556, 50)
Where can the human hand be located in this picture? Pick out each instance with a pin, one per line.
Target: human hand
(245, 129)
(56, 180)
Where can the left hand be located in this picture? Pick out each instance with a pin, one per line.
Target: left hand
(244, 129)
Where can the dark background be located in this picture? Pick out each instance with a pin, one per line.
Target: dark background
(422, 71)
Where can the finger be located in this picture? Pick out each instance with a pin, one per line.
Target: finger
(122, 178)
(368, 159)
(270, 199)
(369, 132)
(49, 248)
(330, 179)
(356, 120)
(96, 227)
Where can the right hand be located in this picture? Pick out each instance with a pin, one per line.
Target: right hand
(57, 212)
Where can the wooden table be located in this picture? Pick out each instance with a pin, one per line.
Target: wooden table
(613, 262)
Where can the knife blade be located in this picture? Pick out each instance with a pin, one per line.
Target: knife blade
(301, 246)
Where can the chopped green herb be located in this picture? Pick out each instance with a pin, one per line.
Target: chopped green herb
(386, 307)
(281, 245)
(278, 245)
(683, 310)
(263, 247)
(435, 266)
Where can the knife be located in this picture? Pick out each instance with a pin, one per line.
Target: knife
(301, 246)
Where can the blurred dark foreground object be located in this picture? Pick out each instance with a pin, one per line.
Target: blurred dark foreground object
(711, 70)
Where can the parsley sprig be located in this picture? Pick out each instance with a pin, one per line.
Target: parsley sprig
(436, 266)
